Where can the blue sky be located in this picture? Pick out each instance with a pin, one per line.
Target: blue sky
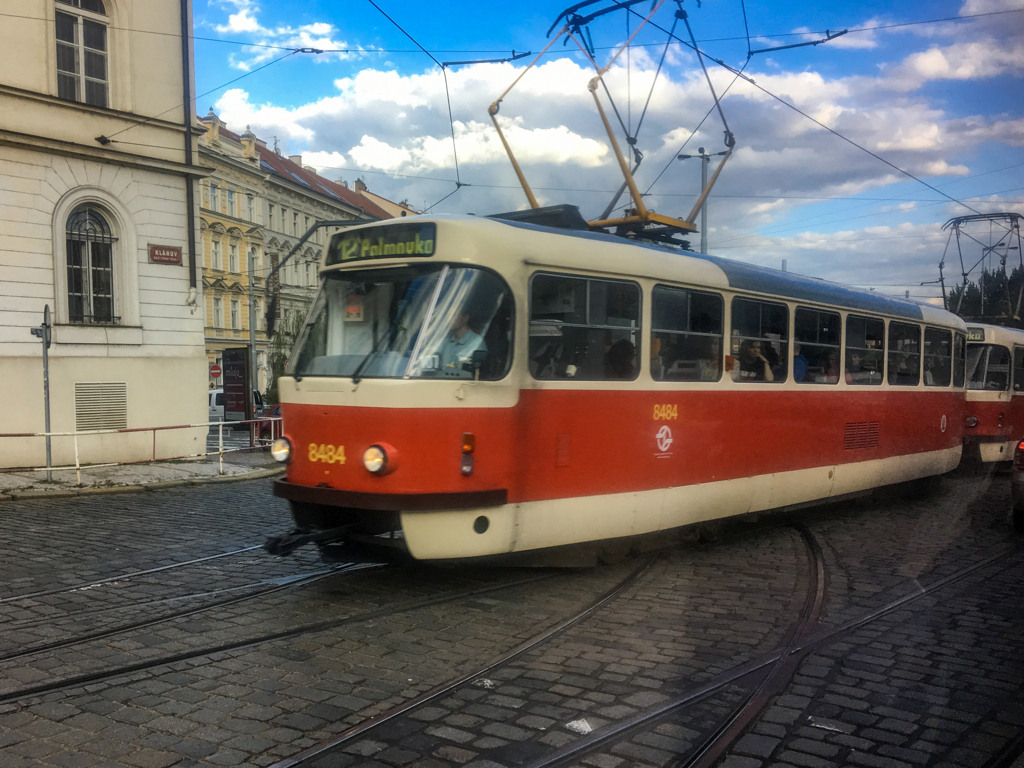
(942, 100)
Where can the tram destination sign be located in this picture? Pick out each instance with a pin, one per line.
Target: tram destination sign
(385, 242)
(975, 334)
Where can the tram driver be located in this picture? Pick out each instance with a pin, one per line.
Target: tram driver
(463, 349)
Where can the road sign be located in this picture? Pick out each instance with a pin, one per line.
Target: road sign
(215, 371)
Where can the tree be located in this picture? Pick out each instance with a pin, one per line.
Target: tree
(286, 333)
(1002, 298)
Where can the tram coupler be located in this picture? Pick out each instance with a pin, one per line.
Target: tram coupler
(289, 542)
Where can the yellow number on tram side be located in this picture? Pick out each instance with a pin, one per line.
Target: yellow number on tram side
(666, 412)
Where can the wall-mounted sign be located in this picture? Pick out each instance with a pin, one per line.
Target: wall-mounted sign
(164, 254)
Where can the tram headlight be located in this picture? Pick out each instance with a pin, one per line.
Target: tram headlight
(380, 459)
(281, 450)
(972, 421)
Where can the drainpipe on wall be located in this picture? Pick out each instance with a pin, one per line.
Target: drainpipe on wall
(186, 87)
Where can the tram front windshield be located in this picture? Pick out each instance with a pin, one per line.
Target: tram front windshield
(988, 367)
(428, 321)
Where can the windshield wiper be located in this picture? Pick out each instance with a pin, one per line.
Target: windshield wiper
(389, 336)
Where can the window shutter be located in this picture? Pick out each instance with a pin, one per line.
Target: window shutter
(101, 405)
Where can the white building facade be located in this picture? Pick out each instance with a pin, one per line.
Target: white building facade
(98, 221)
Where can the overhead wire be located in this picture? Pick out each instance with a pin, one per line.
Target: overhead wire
(110, 139)
(455, 151)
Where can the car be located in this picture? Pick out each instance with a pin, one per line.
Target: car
(217, 405)
(1017, 487)
(271, 429)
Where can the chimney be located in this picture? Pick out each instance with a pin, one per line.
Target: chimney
(297, 159)
(311, 170)
(360, 186)
(343, 183)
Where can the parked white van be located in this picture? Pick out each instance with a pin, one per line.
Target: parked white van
(217, 404)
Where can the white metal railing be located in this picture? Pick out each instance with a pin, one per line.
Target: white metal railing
(273, 424)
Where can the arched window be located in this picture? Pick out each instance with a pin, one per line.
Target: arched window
(82, 67)
(90, 264)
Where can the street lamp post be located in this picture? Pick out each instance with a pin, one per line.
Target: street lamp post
(705, 160)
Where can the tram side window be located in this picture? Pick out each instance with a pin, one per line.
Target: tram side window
(988, 367)
(584, 328)
(816, 338)
(760, 330)
(1018, 369)
(938, 357)
(686, 335)
(959, 359)
(904, 354)
(865, 348)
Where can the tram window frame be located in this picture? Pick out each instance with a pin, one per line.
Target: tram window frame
(903, 375)
(959, 360)
(945, 374)
(861, 331)
(690, 365)
(774, 343)
(820, 350)
(988, 383)
(1018, 369)
(574, 357)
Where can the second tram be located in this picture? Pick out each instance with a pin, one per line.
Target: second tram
(472, 387)
(995, 392)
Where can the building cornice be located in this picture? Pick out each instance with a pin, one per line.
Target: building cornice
(78, 106)
(100, 154)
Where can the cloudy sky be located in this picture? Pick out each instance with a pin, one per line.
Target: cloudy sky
(931, 88)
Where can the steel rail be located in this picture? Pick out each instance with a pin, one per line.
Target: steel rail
(77, 681)
(298, 581)
(319, 749)
(613, 732)
(131, 575)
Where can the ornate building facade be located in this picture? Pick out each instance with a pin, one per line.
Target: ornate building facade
(260, 202)
(97, 182)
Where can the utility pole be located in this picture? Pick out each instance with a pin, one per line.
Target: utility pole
(252, 321)
(705, 160)
(43, 332)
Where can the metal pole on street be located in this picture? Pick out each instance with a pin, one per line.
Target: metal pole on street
(43, 333)
(253, 367)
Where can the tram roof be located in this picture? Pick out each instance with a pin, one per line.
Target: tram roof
(734, 274)
(749, 277)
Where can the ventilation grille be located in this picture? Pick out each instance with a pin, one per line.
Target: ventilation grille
(861, 434)
(101, 405)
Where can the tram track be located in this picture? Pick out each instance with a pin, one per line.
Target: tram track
(785, 659)
(94, 583)
(76, 681)
(451, 686)
(276, 585)
(765, 675)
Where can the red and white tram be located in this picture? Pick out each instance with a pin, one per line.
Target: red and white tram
(995, 391)
(480, 387)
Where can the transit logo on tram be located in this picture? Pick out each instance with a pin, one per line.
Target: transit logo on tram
(386, 242)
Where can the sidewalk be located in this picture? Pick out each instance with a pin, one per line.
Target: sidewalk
(238, 465)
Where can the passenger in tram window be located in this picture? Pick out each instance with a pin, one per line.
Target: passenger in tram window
(832, 369)
(620, 362)
(800, 364)
(754, 365)
(711, 364)
(456, 351)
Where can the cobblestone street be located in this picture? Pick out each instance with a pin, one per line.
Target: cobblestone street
(149, 629)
